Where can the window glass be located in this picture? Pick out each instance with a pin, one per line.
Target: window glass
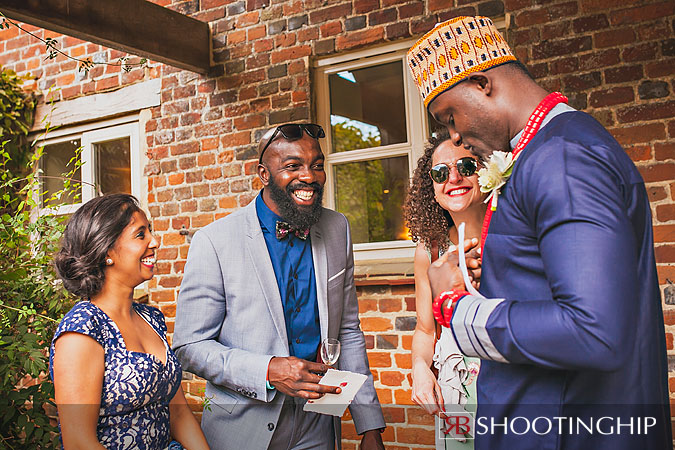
(367, 107)
(113, 169)
(370, 194)
(55, 163)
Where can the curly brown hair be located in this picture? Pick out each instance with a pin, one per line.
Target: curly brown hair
(426, 220)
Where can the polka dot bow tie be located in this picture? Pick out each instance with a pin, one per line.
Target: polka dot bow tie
(284, 228)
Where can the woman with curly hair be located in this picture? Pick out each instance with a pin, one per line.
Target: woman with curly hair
(443, 193)
(116, 380)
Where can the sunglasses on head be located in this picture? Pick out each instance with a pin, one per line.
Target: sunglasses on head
(293, 131)
(466, 167)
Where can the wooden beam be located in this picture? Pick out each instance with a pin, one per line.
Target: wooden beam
(137, 27)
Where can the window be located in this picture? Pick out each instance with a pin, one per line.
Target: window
(378, 127)
(110, 161)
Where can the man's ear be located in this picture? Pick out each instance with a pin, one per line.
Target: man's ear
(482, 81)
(263, 174)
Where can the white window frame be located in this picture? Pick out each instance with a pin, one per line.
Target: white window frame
(416, 123)
(89, 135)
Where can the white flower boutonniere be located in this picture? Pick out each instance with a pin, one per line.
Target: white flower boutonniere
(494, 175)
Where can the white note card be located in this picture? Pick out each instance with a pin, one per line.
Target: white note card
(335, 404)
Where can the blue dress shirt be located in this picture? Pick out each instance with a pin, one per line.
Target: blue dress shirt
(294, 270)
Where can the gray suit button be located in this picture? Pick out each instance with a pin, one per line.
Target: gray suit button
(270, 426)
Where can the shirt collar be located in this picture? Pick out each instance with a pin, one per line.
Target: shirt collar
(266, 217)
(557, 109)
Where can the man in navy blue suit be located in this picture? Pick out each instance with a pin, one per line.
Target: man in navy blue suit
(570, 328)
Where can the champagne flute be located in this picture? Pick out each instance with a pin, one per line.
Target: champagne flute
(330, 351)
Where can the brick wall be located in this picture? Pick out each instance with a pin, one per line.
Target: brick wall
(614, 61)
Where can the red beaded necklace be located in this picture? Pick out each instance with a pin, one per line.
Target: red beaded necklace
(533, 123)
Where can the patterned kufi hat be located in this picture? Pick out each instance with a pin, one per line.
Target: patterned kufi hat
(452, 51)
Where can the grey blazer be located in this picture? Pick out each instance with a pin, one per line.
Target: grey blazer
(230, 322)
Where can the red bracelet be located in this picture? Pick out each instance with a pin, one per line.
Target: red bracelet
(444, 315)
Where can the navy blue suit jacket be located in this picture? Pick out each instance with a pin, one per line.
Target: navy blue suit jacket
(579, 332)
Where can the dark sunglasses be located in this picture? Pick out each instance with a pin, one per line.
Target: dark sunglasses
(293, 131)
(466, 167)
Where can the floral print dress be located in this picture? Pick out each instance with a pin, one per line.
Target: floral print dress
(137, 387)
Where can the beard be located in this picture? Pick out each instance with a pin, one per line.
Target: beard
(296, 215)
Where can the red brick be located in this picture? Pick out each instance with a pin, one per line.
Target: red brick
(176, 178)
(404, 360)
(669, 319)
(410, 10)
(594, 5)
(162, 296)
(643, 52)
(665, 213)
(613, 38)
(402, 397)
(391, 378)
(362, 6)
(403, 289)
(359, 38)
(532, 17)
(590, 23)
(390, 304)
(291, 53)
(406, 342)
(330, 13)
(418, 416)
(249, 18)
(366, 305)
(376, 324)
(250, 121)
(662, 68)
(669, 341)
(664, 233)
(602, 58)
(651, 111)
(666, 273)
(665, 254)
(664, 150)
(639, 134)
(642, 13)
(640, 152)
(623, 74)
(379, 359)
(656, 193)
(612, 96)
(213, 173)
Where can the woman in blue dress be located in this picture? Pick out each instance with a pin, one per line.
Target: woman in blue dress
(117, 382)
(444, 192)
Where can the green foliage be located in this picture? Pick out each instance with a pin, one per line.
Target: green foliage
(16, 118)
(32, 301)
(348, 137)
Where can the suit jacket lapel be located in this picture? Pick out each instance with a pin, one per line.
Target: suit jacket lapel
(321, 272)
(260, 256)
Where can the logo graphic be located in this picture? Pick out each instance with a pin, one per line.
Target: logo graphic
(457, 425)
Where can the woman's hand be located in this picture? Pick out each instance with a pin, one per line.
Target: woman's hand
(426, 392)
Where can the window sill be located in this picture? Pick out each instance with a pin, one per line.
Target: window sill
(398, 271)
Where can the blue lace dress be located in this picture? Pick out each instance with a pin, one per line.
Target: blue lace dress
(137, 387)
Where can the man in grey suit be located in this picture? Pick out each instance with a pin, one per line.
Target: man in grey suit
(261, 288)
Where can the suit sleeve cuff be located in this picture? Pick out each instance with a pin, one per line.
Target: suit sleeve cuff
(468, 323)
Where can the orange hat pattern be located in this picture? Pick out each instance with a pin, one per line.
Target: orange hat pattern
(454, 49)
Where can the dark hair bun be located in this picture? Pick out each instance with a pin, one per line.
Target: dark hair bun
(79, 277)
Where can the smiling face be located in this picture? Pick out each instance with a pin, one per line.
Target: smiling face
(294, 176)
(457, 193)
(470, 114)
(133, 253)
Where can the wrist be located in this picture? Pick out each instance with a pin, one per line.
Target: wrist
(444, 304)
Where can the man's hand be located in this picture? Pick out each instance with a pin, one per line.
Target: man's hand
(372, 440)
(444, 273)
(298, 378)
